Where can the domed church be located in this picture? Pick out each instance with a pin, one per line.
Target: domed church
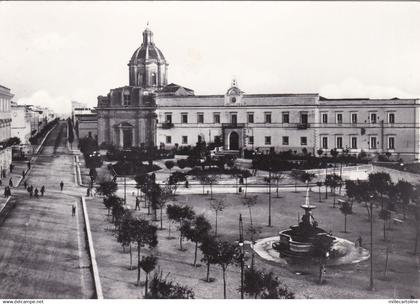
(151, 112)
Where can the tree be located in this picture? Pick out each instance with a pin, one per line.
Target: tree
(169, 164)
(363, 193)
(217, 206)
(332, 181)
(384, 215)
(118, 212)
(111, 201)
(225, 256)
(203, 179)
(245, 175)
(196, 231)
(319, 184)
(404, 192)
(212, 180)
(107, 188)
(179, 214)
(346, 209)
(380, 183)
(296, 175)
(125, 234)
(144, 234)
(266, 285)
(176, 178)
(208, 248)
(161, 288)
(164, 195)
(250, 202)
(320, 152)
(148, 263)
(253, 282)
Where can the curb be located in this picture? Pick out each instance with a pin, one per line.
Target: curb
(94, 265)
(5, 205)
(78, 173)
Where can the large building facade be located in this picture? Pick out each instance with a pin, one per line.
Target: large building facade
(174, 116)
(5, 129)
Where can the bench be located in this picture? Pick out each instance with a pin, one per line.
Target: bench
(397, 221)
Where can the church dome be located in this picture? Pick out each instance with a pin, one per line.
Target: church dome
(147, 50)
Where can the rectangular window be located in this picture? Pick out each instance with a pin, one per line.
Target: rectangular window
(184, 140)
(391, 143)
(285, 117)
(251, 140)
(267, 117)
(354, 118)
(168, 117)
(216, 118)
(354, 142)
(168, 139)
(324, 142)
(373, 118)
(250, 117)
(339, 118)
(339, 142)
(234, 118)
(267, 140)
(391, 118)
(184, 118)
(372, 142)
(303, 141)
(324, 118)
(304, 118)
(200, 117)
(285, 140)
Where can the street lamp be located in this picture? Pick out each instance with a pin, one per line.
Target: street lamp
(125, 185)
(371, 287)
(241, 246)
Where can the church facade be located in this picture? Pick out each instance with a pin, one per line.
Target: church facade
(149, 111)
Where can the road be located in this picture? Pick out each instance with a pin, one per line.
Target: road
(42, 247)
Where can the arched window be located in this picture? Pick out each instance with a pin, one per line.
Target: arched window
(154, 80)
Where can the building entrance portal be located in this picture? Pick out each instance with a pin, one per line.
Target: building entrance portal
(234, 141)
(127, 138)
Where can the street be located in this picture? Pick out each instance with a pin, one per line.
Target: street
(42, 247)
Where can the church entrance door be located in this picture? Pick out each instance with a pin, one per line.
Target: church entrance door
(127, 138)
(234, 141)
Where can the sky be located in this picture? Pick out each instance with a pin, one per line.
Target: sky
(54, 52)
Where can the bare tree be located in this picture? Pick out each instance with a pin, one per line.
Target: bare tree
(217, 206)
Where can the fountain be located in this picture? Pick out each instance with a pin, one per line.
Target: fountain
(297, 242)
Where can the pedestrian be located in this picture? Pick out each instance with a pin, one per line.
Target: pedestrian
(3, 172)
(31, 191)
(359, 240)
(186, 184)
(36, 193)
(10, 182)
(11, 167)
(88, 192)
(42, 190)
(29, 165)
(1, 183)
(25, 185)
(5, 191)
(73, 210)
(23, 173)
(137, 203)
(61, 185)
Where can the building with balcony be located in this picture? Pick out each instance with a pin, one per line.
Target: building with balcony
(21, 122)
(150, 111)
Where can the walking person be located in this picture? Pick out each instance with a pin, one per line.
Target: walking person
(31, 191)
(42, 190)
(10, 182)
(11, 167)
(23, 173)
(5, 192)
(29, 165)
(73, 210)
(36, 193)
(61, 185)
(137, 203)
(25, 185)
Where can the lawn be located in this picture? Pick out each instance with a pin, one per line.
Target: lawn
(349, 281)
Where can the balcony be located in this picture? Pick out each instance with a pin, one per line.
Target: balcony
(233, 125)
(302, 126)
(167, 125)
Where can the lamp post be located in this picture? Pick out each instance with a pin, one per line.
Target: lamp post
(125, 185)
(241, 246)
(371, 286)
(269, 196)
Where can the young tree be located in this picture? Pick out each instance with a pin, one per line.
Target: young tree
(225, 256)
(175, 178)
(217, 206)
(164, 195)
(148, 263)
(319, 184)
(118, 212)
(346, 208)
(208, 248)
(404, 192)
(179, 214)
(245, 175)
(125, 234)
(212, 180)
(144, 234)
(107, 188)
(161, 288)
(384, 215)
(169, 164)
(380, 183)
(296, 175)
(250, 202)
(204, 180)
(333, 181)
(196, 231)
(111, 201)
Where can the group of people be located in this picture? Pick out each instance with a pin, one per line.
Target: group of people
(7, 191)
(33, 192)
